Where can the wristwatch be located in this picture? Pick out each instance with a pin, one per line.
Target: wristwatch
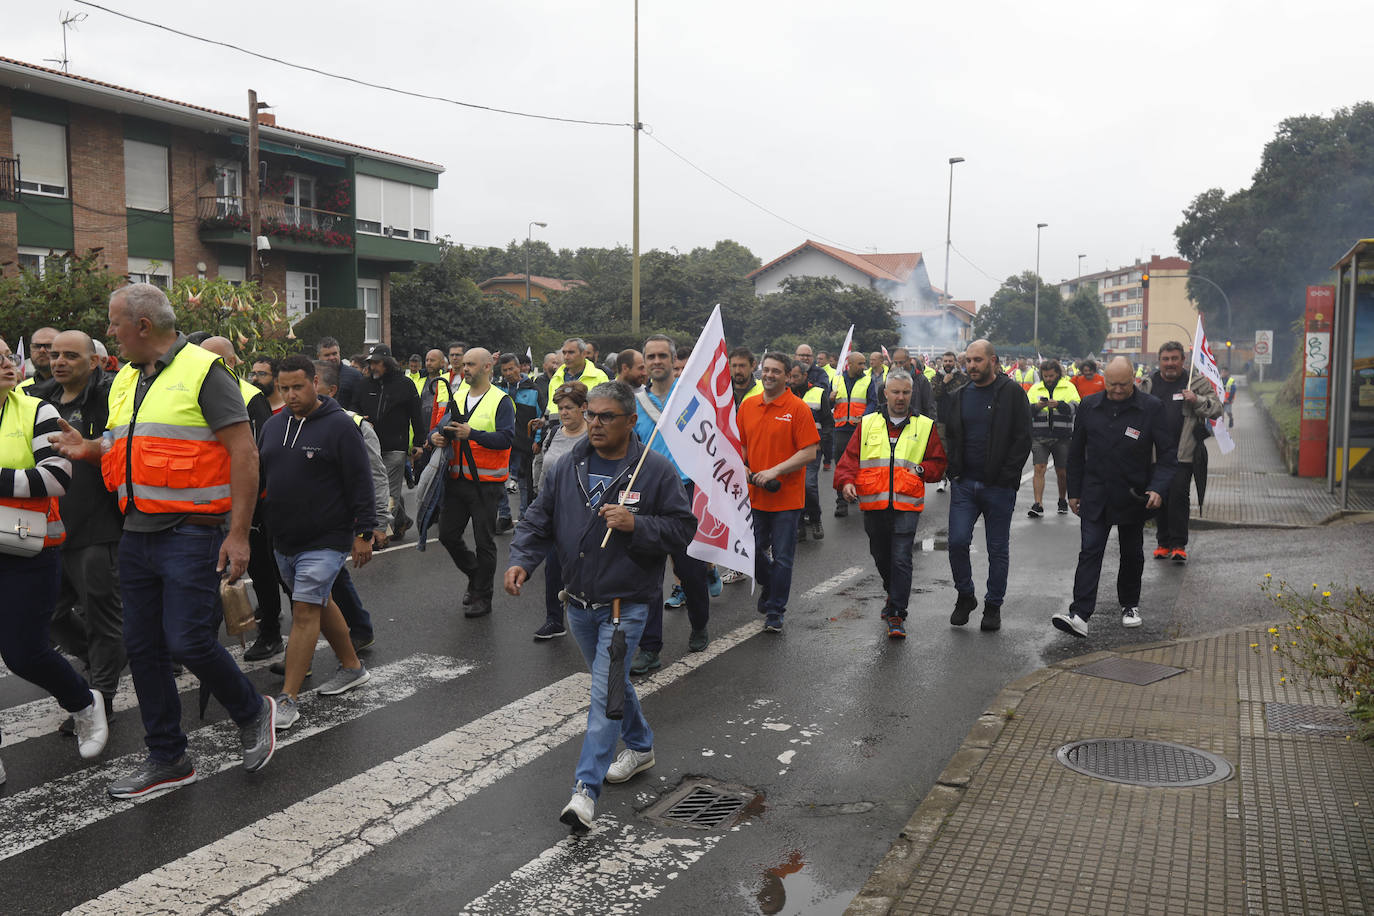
(364, 535)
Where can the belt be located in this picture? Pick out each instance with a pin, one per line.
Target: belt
(584, 604)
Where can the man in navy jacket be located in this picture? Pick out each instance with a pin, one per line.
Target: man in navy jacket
(1121, 459)
(586, 493)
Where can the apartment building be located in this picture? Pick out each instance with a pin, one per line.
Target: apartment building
(1142, 317)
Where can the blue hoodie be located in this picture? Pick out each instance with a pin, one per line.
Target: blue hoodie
(317, 479)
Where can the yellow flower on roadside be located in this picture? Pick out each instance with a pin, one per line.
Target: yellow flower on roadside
(1283, 680)
(1326, 594)
(1268, 575)
(1273, 629)
(1254, 645)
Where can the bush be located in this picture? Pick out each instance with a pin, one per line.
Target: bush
(1329, 643)
(345, 325)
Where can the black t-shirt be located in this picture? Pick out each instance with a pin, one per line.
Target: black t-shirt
(976, 413)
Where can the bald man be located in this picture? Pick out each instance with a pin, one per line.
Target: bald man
(480, 428)
(40, 355)
(89, 619)
(1122, 457)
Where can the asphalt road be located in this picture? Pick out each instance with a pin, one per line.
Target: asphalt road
(436, 788)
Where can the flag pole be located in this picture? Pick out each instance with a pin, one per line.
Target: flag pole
(630, 485)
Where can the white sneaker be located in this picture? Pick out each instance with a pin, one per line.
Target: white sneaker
(92, 730)
(941, 486)
(1130, 617)
(1070, 623)
(579, 811)
(730, 576)
(629, 763)
(288, 713)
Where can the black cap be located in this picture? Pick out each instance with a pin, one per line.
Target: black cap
(378, 353)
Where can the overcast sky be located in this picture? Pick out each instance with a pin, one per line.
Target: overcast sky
(1101, 119)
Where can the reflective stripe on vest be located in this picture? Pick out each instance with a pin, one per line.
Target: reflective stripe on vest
(1064, 391)
(849, 405)
(176, 462)
(813, 400)
(887, 477)
(493, 465)
(17, 423)
(591, 377)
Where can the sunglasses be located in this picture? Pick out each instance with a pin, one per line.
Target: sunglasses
(597, 416)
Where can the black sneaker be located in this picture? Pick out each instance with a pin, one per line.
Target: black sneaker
(362, 643)
(467, 598)
(259, 736)
(1063, 508)
(962, 608)
(817, 532)
(263, 647)
(279, 669)
(550, 630)
(992, 618)
(842, 510)
(801, 531)
(504, 525)
(1036, 511)
(480, 607)
(153, 777)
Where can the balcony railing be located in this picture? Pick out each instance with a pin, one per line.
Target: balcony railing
(9, 179)
(279, 219)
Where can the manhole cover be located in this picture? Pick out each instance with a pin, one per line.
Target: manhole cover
(1153, 764)
(703, 805)
(1128, 670)
(1296, 719)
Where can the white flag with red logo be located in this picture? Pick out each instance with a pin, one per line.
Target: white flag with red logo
(698, 427)
(844, 351)
(1206, 363)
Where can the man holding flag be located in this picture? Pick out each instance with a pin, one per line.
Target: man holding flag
(1190, 401)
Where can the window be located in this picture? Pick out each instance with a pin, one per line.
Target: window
(302, 294)
(422, 206)
(145, 176)
(41, 260)
(300, 200)
(150, 270)
(1133, 293)
(369, 204)
(395, 208)
(235, 275)
(370, 301)
(42, 151)
(228, 188)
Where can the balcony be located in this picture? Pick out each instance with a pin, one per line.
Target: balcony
(9, 179)
(290, 227)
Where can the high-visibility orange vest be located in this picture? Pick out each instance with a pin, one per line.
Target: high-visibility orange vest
(493, 465)
(887, 476)
(18, 417)
(849, 405)
(165, 457)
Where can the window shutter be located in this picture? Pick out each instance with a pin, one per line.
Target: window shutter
(369, 198)
(42, 151)
(145, 176)
(422, 201)
(396, 206)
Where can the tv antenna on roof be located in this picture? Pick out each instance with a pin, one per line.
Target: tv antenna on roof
(69, 21)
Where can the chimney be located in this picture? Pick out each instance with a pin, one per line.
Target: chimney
(267, 119)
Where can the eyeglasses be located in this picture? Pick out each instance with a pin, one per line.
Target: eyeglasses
(12, 358)
(41, 346)
(597, 416)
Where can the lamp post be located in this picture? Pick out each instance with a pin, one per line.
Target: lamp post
(949, 214)
(529, 231)
(1080, 265)
(1035, 333)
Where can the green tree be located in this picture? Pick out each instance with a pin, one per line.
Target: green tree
(818, 311)
(1008, 320)
(1085, 323)
(1310, 198)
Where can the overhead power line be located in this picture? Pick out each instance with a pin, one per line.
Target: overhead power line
(966, 260)
(353, 79)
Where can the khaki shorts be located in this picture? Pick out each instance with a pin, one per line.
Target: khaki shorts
(1042, 449)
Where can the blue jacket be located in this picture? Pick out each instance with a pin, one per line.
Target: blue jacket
(631, 565)
(1117, 447)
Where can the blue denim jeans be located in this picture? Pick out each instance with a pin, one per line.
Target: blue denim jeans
(592, 629)
(779, 531)
(811, 513)
(171, 612)
(969, 499)
(345, 595)
(520, 473)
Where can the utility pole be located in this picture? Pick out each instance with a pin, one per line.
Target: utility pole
(251, 179)
(1036, 333)
(949, 216)
(634, 262)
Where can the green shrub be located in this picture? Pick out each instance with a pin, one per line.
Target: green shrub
(345, 325)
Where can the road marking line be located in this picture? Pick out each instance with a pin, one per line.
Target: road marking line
(263, 864)
(834, 582)
(77, 800)
(41, 717)
(615, 868)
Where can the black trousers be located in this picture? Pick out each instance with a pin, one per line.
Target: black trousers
(267, 584)
(1131, 538)
(842, 437)
(827, 449)
(891, 534)
(464, 501)
(89, 621)
(1172, 522)
(696, 584)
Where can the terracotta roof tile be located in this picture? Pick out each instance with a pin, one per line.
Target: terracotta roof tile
(896, 268)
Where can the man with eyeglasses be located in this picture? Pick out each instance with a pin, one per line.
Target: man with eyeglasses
(586, 493)
(40, 354)
(821, 379)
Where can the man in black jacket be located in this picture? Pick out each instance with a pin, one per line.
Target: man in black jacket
(1122, 457)
(350, 379)
(587, 492)
(390, 401)
(988, 440)
(89, 621)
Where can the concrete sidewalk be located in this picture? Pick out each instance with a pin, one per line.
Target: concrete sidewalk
(1251, 487)
(1008, 829)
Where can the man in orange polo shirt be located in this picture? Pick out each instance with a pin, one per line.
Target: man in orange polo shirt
(779, 439)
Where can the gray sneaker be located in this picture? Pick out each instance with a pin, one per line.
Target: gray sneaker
(259, 737)
(344, 680)
(287, 713)
(153, 777)
(629, 763)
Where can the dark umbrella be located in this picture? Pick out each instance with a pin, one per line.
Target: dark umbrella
(615, 679)
(1200, 471)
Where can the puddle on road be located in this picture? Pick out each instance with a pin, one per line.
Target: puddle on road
(790, 889)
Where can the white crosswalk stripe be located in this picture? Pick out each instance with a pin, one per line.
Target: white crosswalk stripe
(35, 816)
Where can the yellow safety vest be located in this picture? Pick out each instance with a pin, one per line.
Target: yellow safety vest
(591, 377)
(849, 405)
(493, 465)
(813, 400)
(176, 462)
(17, 421)
(887, 477)
(1064, 390)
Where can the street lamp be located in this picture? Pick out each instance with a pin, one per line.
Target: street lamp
(1080, 265)
(528, 232)
(949, 214)
(1035, 334)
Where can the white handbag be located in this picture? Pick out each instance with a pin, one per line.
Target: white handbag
(22, 531)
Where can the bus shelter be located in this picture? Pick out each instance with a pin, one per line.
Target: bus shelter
(1351, 436)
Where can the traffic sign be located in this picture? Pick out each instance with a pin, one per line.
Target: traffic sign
(1264, 348)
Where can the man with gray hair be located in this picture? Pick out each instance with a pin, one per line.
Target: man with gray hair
(184, 471)
(576, 368)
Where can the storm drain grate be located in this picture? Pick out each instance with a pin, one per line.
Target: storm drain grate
(702, 805)
(1154, 764)
(1296, 719)
(1128, 670)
